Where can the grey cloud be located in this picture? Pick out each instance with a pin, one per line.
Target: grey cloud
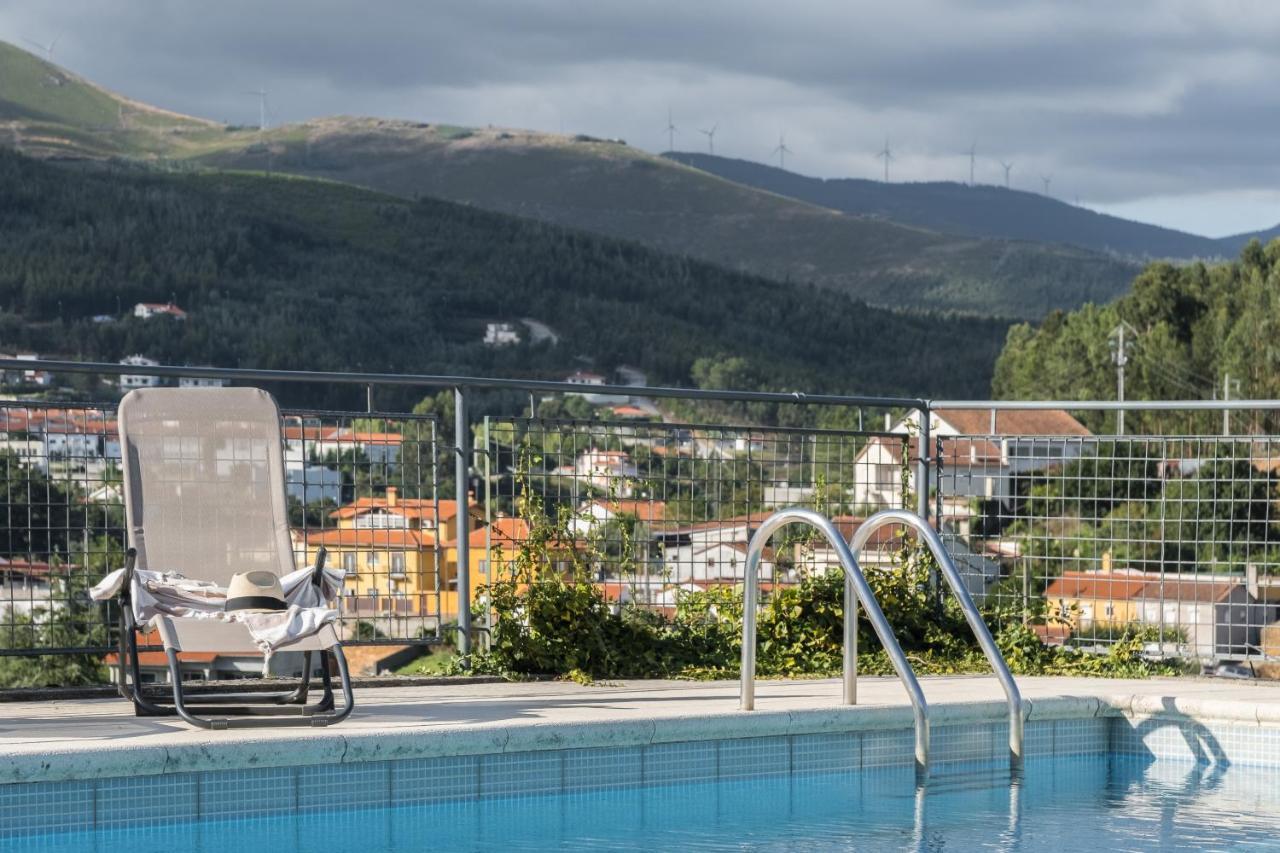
(1118, 100)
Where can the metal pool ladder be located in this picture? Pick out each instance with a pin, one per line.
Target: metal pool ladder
(857, 591)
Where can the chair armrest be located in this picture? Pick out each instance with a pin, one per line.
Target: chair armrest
(126, 585)
(317, 574)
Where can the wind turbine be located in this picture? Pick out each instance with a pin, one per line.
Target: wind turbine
(1046, 179)
(973, 153)
(262, 106)
(671, 131)
(887, 155)
(46, 49)
(1008, 167)
(782, 151)
(711, 137)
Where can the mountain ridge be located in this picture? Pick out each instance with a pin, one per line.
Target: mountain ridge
(595, 185)
(980, 211)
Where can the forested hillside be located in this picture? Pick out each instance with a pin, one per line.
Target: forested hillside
(1188, 328)
(979, 211)
(292, 273)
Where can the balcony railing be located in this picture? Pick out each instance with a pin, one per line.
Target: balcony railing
(1089, 538)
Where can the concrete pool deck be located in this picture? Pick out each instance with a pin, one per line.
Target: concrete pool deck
(100, 738)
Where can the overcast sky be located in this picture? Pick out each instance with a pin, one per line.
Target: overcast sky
(1162, 110)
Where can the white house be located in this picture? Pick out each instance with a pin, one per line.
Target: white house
(41, 378)
(25, 588)
(589, 380)
(130, 381)
(712, 550)
(601, 511)
(201, 381)
(610, 470)
(984, 452)
(501, 335)
(147, 310)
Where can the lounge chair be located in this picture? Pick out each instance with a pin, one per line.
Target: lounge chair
(204, 494)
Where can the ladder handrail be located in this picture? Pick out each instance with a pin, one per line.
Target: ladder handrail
(856, 589)
(971, 615)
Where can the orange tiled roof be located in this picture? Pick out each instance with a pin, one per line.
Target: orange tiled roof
(370, 537)
(407, 507)
(1108, 586)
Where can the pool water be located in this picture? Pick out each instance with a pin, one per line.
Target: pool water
(1095, 802)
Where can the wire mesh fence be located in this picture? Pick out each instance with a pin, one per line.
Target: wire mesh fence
(364, 486)
(1170, 541)
(651, 511)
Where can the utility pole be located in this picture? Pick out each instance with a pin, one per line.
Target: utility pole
(1120, 355)
(1227, 382)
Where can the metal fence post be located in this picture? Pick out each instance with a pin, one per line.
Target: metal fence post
(922, 466)
(462, 438)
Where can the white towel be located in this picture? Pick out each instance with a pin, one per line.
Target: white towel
(172, 594)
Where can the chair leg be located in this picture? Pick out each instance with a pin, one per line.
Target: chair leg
(299, 696)
(142, 706)
(305, 719)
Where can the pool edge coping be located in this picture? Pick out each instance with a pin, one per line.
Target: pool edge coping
(94, 760)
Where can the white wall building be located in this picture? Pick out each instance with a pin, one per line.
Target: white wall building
(501, 335)
(147, 310)
(130, 381)
(987, 452)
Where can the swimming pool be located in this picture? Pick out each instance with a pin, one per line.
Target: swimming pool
(1100, 802)
(1184, 764)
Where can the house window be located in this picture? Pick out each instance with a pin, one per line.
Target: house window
(349, 562)
(372, 559)
(484, 567)
(397, 564)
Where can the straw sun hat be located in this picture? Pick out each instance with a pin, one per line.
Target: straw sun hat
(255, 591)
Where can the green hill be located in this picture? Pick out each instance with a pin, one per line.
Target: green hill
(47, 111)
(978, 211)
(281, 272)
(595, 185)
(1189, 328)
(613, 189)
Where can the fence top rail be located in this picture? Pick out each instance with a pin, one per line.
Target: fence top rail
(1108, 405)
(463, 382)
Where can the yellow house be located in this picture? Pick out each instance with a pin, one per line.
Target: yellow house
(494, 552)
(1083, 598)
(392, 551)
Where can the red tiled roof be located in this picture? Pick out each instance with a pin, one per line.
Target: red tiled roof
(1109, 586)
(643, 510)
(1195, 591)
(1012, 422)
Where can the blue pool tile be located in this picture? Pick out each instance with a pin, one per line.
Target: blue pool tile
(968, 743)
(611, 767)
(888, 748)
(241, 793)
(1083, 736)
(1037, 738)
(694, 761)
(134, 800)
(754, 756)
(839, 752)
(39, 807)
(428, 780)
(329, 786)
(506, 774)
